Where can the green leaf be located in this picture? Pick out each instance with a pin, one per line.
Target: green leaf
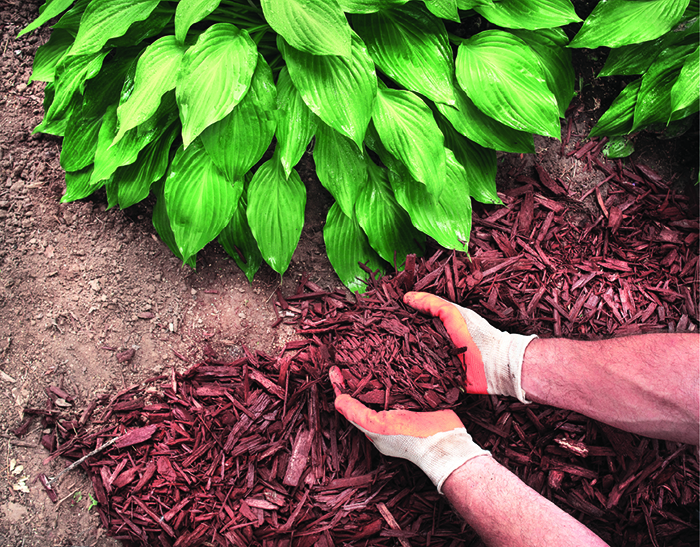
(86, 112)
(112, 191)
(478, 162)
(83, 128)
(109, 157)
(49, 93)
(686, 91)
(70, 20)
(391, 34)
(48, 11)
(618, 119)
(57, 126)
(297, 124)
(445, 9)
(339, 90)
(134, 180)
(161, 222)
(616, 23)
(529, 14)
(504, 78)
(105, 20)
(80, 141)
(471, 122)
(654, 99)
(78, 185)
(318, 27)
(49, 55)
(214, 76)
(143, 30)
(238, 241)
(276, 212)
(71, 75)
(189, 12)
(386, 223)
(346, 246)
(679, 125)
(556, 62)
(633, 59)
(199, 200)
(374, 143)
(471, 4)
(368, 6)
(237, 142)
(92, 502)
(447, 219)
(156, 74)
(104, 89)
(340, 167)
(408, 130)
(618, 147)
(636, 59)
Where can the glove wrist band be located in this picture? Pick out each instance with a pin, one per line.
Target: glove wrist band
(504, 372)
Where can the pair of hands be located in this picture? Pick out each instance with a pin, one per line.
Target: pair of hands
(437, 442)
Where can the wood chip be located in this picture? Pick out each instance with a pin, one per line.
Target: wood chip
(391, 521)
(299, 458)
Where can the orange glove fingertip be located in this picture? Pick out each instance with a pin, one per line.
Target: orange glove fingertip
(337, 380)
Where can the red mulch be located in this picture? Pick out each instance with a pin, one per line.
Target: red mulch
(252, 452)
(633, 269)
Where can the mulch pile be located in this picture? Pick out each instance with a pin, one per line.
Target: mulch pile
(252, 452)
(632, 269)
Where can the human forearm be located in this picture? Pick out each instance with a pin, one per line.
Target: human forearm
(506, 512)
(646, 384)
(502, 509)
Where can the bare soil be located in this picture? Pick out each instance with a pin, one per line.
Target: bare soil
(80, 284)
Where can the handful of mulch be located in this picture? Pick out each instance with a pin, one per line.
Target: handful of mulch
(391, 355)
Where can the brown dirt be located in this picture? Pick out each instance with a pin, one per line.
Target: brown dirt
(75, 278)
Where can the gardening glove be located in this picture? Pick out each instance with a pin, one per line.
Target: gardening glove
(493, 361)
(437, 442)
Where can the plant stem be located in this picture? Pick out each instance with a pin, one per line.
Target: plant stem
(257, 33)
(270, 48)
(243, 19)
(222, 18)
(456, 39)
(242, 6)
(275, 64)
(76, 463)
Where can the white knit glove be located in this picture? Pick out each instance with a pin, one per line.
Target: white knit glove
(437, 442)
(493, 361)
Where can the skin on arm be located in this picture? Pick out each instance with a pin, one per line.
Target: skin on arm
(506, 512)
(646, 384)
(497, 504)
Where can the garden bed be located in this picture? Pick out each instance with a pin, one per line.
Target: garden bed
(251, 451)
(92, 303)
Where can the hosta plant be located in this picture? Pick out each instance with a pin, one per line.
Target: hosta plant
(406, 103)
(657, 40)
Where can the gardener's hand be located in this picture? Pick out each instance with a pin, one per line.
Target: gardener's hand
(493, 360)
(437, 442)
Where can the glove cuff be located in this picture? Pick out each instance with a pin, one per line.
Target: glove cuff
(447, 451)
(437, 455)
(504, 372)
